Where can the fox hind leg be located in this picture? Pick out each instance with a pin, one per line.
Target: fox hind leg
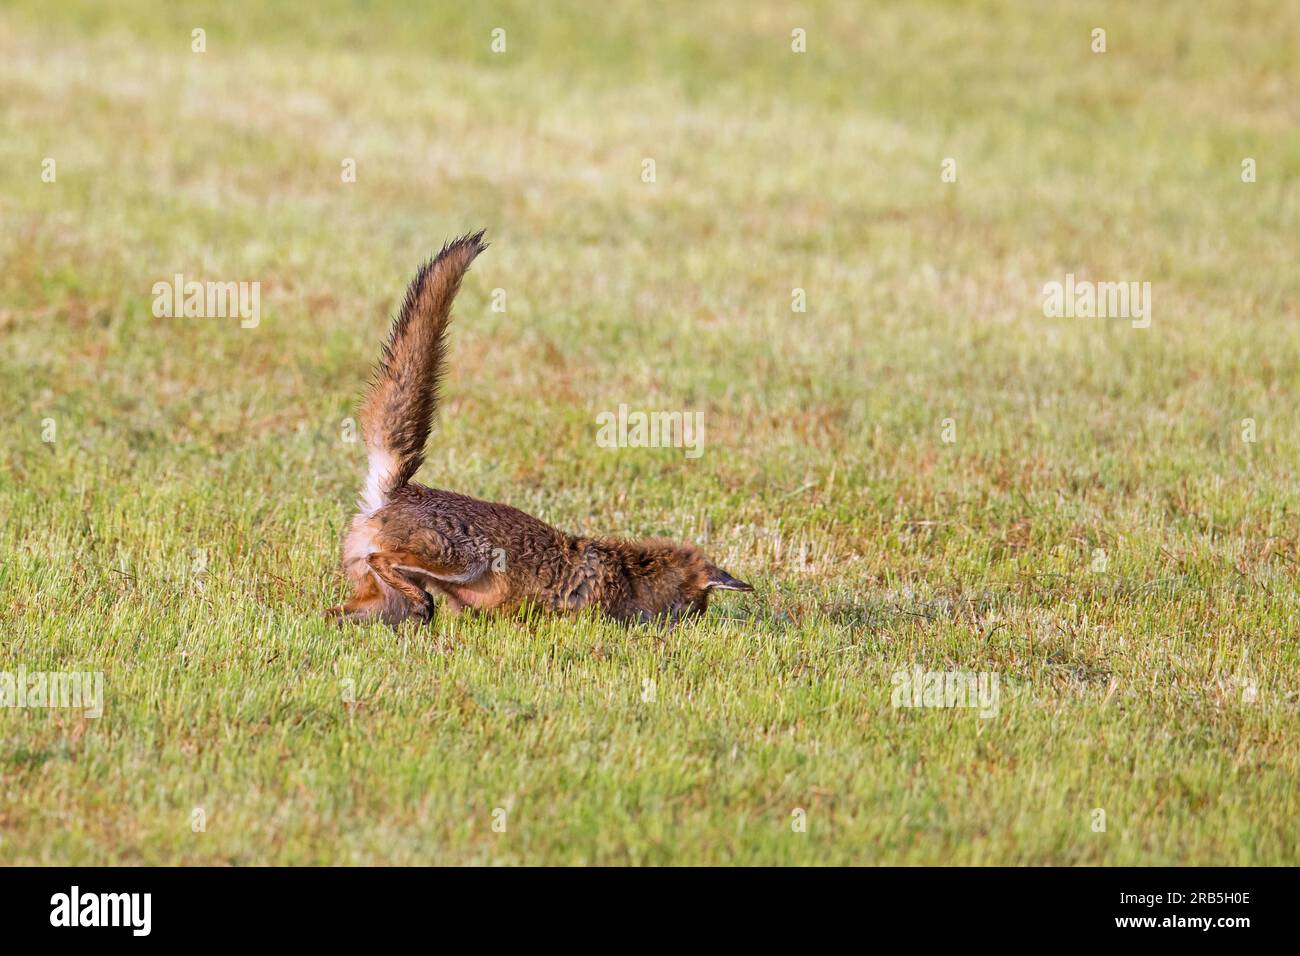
(418, 601)
(384, 594)
(395, 579)
(435, 564)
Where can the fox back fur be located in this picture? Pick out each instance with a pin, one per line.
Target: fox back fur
(408, 542)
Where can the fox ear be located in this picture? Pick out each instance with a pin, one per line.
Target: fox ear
(723, 581)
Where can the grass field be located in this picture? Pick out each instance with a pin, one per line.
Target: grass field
(920, 469)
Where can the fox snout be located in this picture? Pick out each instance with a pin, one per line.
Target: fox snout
(722, 581)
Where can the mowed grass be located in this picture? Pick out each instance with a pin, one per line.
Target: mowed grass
(1100, 534)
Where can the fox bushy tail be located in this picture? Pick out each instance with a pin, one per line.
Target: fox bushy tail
(399, 409)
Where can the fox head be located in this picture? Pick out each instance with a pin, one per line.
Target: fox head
(670, 581)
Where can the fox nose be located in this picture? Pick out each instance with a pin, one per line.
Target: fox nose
(723, 581)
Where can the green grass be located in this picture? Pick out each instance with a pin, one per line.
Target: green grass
(180, 533)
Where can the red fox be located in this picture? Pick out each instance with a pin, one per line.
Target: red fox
(408, 542)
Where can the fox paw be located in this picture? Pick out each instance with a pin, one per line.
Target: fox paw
(424, 613)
